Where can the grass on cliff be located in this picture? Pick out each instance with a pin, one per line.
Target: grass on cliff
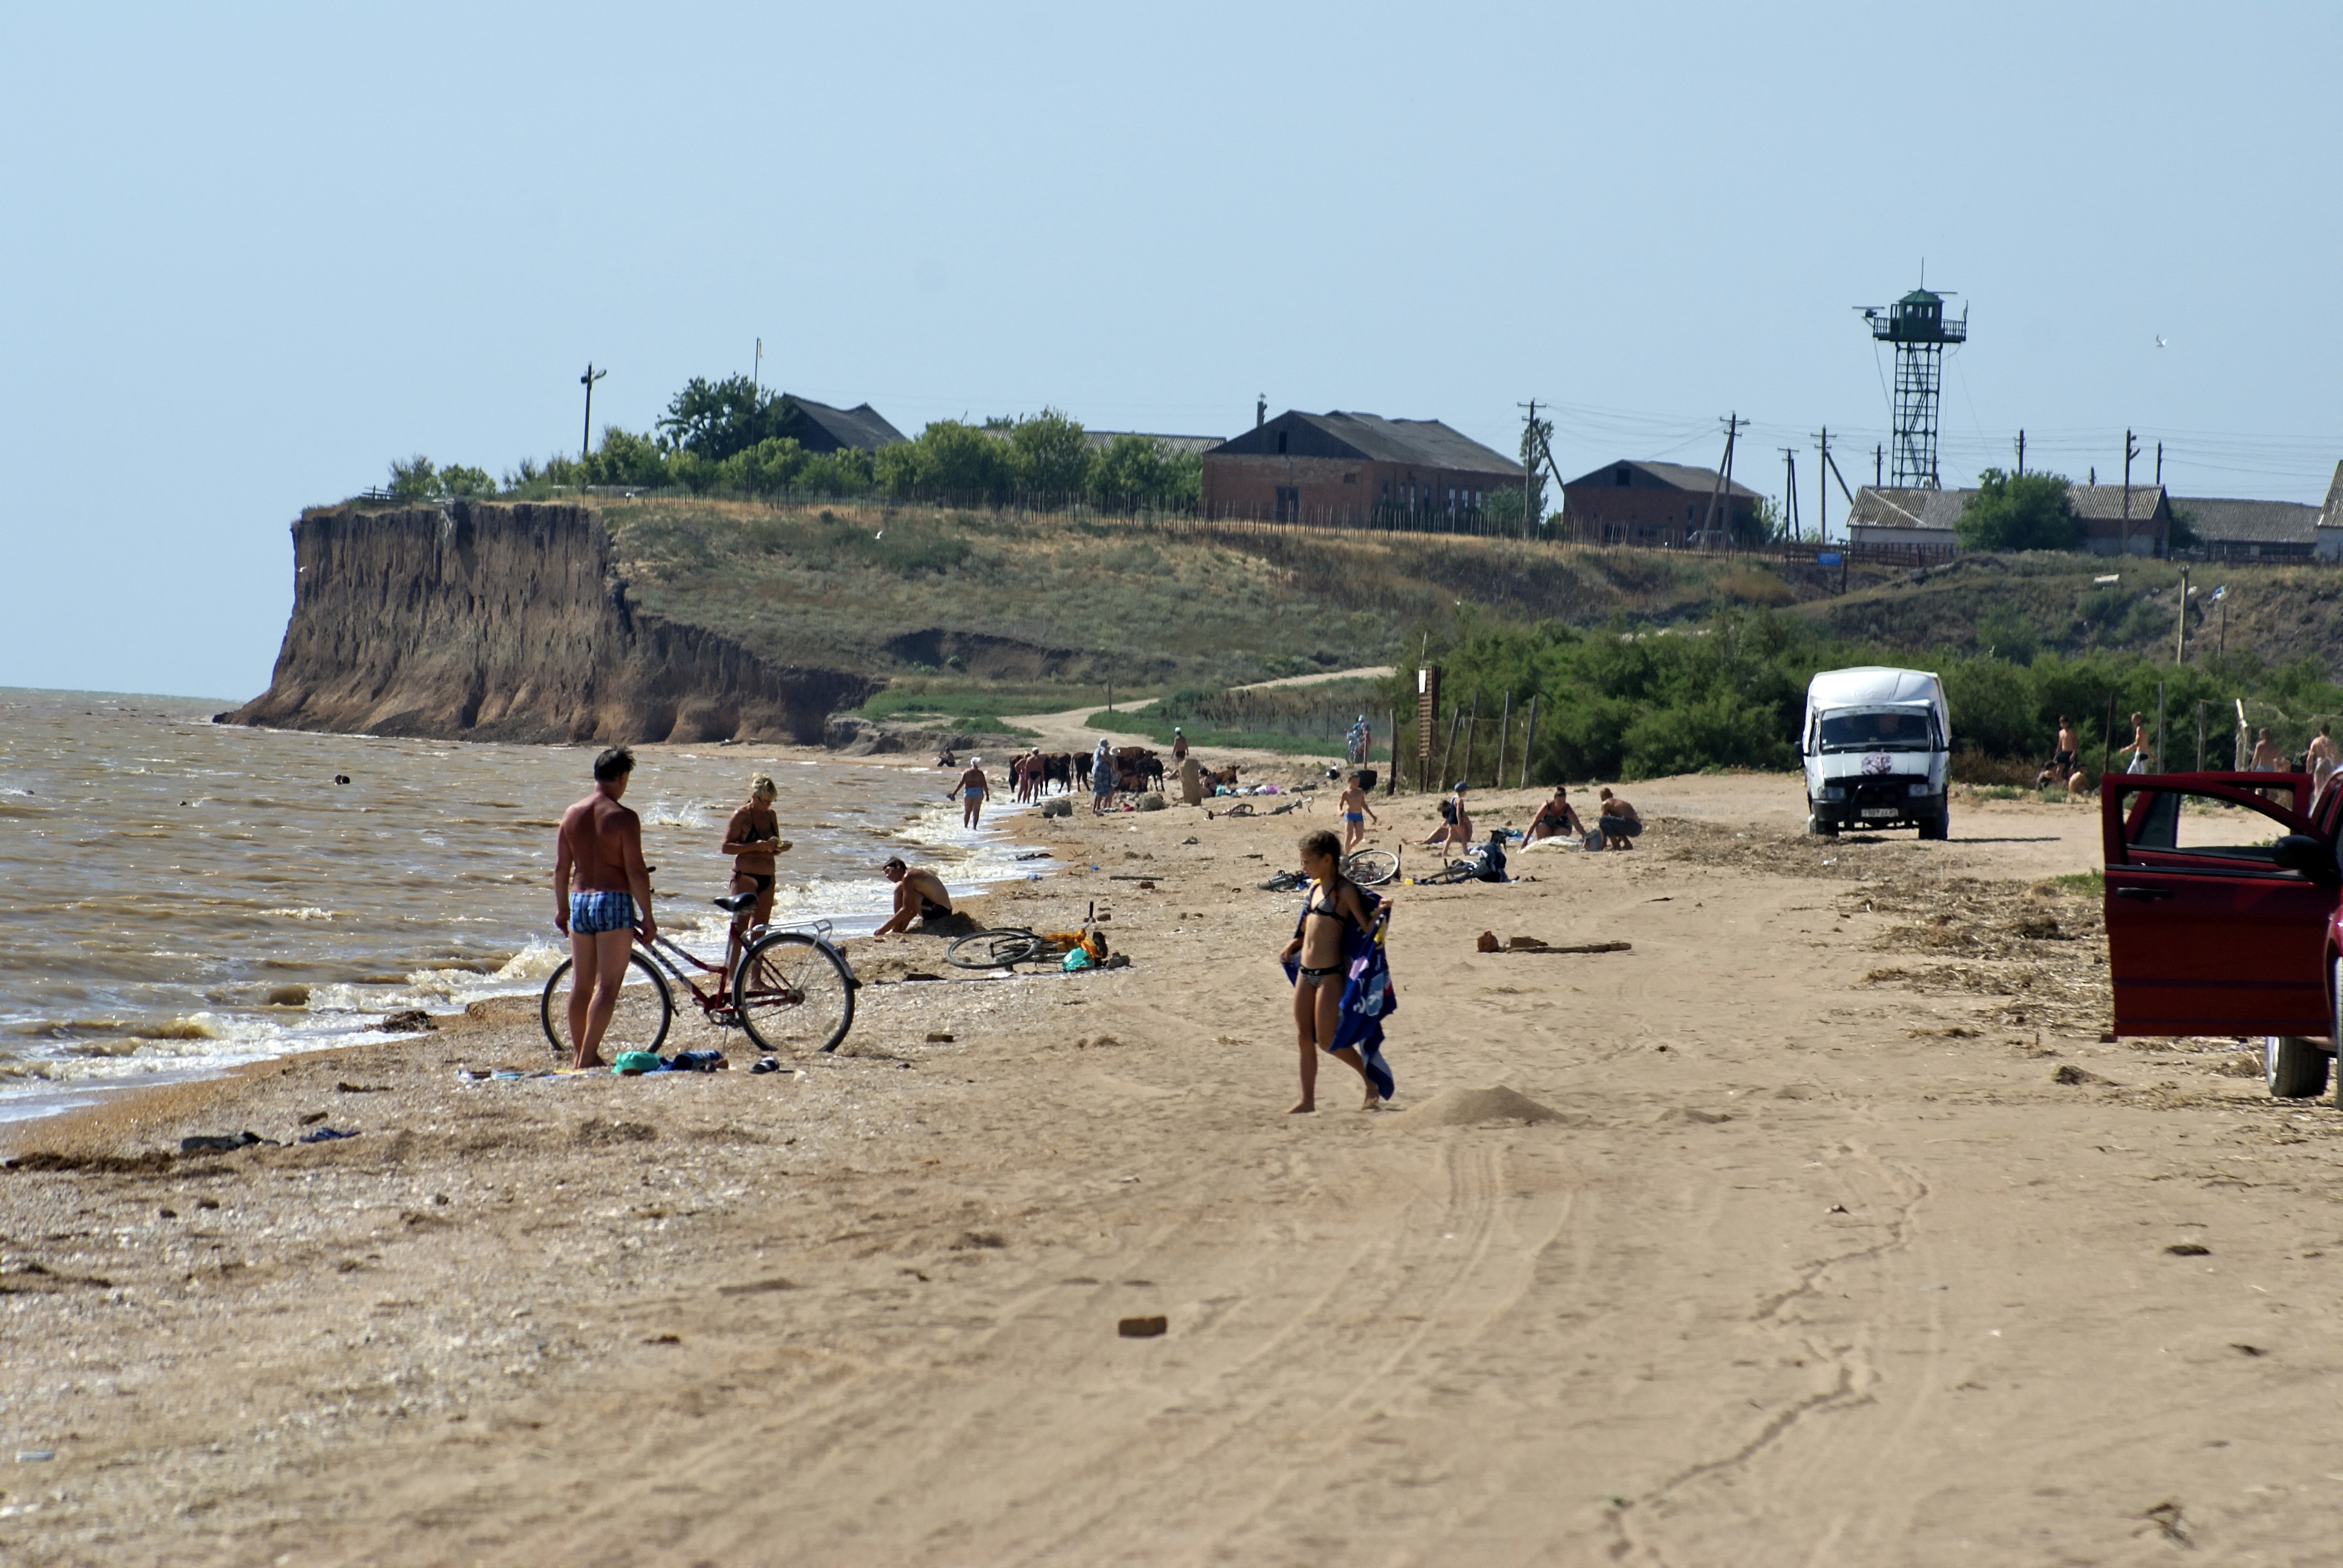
(1030, 600)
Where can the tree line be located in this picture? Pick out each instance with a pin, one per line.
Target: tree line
(723, 437)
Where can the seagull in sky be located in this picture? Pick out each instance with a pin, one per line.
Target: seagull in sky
(2160, 340)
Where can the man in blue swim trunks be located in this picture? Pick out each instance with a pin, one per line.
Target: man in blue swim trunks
(600, 848)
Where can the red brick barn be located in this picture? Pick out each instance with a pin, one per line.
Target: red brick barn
(1350, 470)
(1659, 504)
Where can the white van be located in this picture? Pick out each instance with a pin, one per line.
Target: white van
(1877, 747)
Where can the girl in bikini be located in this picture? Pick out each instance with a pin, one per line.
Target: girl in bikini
(1322, 947)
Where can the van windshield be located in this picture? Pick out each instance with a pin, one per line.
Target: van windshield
(1878, 731)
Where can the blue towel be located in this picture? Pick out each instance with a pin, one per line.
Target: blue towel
(1368, 995)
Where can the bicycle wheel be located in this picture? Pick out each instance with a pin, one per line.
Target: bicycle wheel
(1283, 883)
(793, 993)
(1371, 868)
(993, 950)
(639, 1024)
(1455, 871)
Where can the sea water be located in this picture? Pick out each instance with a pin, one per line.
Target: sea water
(181, 896)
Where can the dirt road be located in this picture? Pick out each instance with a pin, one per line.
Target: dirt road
(1817, 1260)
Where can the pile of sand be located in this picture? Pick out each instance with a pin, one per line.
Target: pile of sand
(1470, 1106)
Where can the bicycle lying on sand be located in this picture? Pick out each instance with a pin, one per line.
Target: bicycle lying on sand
(1367, 868)
(791, 989)
(1011, 946)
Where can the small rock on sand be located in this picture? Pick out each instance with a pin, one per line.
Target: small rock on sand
(1142, 1328)
(1456, 1107)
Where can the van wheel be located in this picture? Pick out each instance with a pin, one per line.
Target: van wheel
(1940, 826)
(2294, 1068)
(1820, 827)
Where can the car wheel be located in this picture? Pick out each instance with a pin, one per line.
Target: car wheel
(2294, 1068)
(1940, 826)
(1821, 827)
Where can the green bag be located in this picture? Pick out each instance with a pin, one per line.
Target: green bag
(637, 1061)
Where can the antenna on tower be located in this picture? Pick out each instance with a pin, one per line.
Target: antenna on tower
(1919, 327)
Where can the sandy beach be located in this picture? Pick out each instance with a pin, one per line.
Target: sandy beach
(1847, 1240)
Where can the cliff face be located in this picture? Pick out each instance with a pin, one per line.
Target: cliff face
(482, 621)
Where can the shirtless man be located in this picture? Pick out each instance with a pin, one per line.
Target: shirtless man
(2138, 749)
(920, 896)
(1356, 812)
(2321, 758)
(972, 788)
(752, 838)
(1322, 950)
(2061, 760)
(2267, 758)
(1556, 816)
(601, 846)
(1619, 821)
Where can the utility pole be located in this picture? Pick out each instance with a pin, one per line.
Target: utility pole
(2021, 453)
(1708, 518)
(757, 375)
(585, 443)
(1529, 475)
(1790, 488)
(2159, 464)
(2131, 450)
(1878, 467)
(1821, 488)
(1533, 452)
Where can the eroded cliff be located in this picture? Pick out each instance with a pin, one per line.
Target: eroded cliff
(491, 621)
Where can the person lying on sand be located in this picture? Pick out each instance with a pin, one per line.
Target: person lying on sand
(1335, 920)
(920, 896)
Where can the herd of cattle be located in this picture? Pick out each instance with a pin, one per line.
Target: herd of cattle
(1136, 769)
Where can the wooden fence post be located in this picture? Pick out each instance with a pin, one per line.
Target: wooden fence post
(1505, 734)
(1448, 752)
(1471, 722)
(1529, 742)
(1391, 785)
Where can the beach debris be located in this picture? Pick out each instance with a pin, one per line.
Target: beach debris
(288, 996)
(2165, 1517)
(756, 1287)
(36, 1456)
(324, 1135)
(206, 1202)
(361, 1089)
(204, 1144)
(2247, 1349)
(1147, 1328)
(2070, 1073)
(635, 1063)
(1192, 838)
(766, 1064)
(414, 1020)
(594, 1131)
(1488, 942)
(2189, 1249)
(1517, 943)
(663, 1340)
(1537, 947)
(940, 1037)
(311, 1118)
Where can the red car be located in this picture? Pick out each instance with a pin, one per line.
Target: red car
(2223, 894)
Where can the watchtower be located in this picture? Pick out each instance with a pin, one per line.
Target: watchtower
(1918, 326)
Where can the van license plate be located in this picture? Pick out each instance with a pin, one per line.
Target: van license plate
(1879, 810)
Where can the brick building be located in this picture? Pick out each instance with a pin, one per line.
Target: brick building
(1656, 504)
(1352, 469)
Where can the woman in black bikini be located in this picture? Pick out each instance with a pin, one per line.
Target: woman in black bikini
(752, 838)
(1332, 910)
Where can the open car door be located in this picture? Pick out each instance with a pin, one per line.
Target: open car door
(2214, 925)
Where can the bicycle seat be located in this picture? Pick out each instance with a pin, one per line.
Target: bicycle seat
(733, 903)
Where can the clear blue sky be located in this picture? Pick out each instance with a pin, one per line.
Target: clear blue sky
(251, 254)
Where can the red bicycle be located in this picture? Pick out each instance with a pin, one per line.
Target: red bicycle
(791, 989)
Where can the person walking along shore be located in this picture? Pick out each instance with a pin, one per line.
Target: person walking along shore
(600, 848)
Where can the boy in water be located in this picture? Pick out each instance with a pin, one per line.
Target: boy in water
(600, 845)
(972, 788)
(1356, 812)
(752, 838)
(1320, 949)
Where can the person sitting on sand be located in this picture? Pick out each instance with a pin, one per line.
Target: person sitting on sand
(919, 895)
(1356, 812)
(601, 850)
(945, 759)
(972, 788)
(1335, 928)
(1456, 823)
(1619, 823)
(1556, 816)
(2077, 784)
(1493, 858)
(752, 838)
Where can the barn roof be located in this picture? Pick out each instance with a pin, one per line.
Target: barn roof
(863, 426)
(1667, 475)
(2221, 521)
(1371, 437)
